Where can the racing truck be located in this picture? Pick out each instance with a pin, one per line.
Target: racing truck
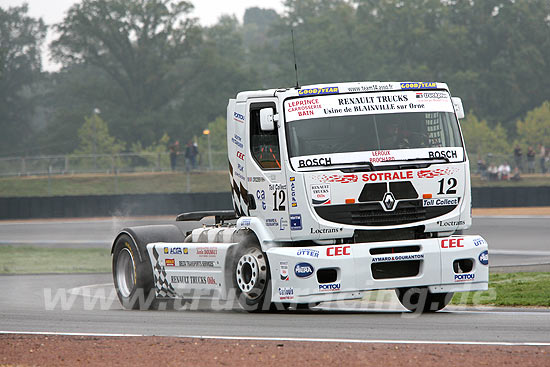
(337, 189)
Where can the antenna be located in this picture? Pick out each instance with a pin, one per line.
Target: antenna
(295, 64)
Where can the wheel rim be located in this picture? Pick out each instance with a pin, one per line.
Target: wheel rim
(251, 274)
(125, 274)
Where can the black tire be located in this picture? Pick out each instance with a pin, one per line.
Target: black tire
(251, 277)
(420, 299)
(305, 306)
(133, 279)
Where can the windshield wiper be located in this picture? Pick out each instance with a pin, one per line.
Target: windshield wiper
(395, 163)
(422, 159)
(364, 166)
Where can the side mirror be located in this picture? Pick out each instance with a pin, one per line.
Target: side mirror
(267, 122)
(459, 109)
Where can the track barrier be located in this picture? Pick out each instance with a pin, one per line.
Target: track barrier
(174, 204)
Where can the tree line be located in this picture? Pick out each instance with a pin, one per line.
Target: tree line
(154, 74)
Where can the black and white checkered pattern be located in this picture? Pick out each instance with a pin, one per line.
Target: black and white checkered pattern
(240, 195)
(163, 287)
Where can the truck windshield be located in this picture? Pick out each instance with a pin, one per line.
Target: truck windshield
(342, 124)
(373, 132)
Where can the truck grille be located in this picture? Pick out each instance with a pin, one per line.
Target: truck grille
(372, 214)
(398, 269)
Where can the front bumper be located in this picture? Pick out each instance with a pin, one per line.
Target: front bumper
(338, 272)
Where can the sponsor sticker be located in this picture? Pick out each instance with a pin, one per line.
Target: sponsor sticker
(479, 241)
(320, 106)
(320, 194)
(314, 162)
(385, 259)
(317, 91)
(452, 242)
(449, 154)
(339, 250)
(193, 279)
(260, 195)
(308, 252)
(207, 251)
(238, 117)
(432, 95)
(295, 222)
(381, 156)
(283, 224)
(286, 293)
(484, 257)
(239, 175)
(330, 287)
(451, 223)
(303, 107)
(283, 270)
(175, 250)
(367, 177)
(440, 202)
(303, 270)
(271, 222)
(293, 201)
(236, 139)
(170, 262)
(431, 173)
(464, 277)
(325, 230)
(256, 179)
(418, 85)
(198, 264)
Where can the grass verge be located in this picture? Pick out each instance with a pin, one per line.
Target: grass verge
(528, 180)
(510, 289)
(25, 260)
(108, 184)
(162, 182)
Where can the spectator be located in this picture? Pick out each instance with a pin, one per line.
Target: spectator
(493, 173)
(542, 151)
(482, 168)
(531, 160)
(174, 151)
(518, 155)
(504, 171)
(191, 152)
(516, 176)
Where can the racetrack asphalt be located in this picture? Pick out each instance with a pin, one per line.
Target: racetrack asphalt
(27, 302)
(515, 237)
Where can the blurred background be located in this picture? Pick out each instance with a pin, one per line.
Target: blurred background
(104, 92)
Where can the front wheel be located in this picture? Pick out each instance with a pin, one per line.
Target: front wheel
(133, 280)
(251, 278)
(420, 299)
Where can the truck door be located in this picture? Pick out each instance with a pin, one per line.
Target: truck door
(266, 179)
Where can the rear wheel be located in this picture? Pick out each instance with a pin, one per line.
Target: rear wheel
(420, 299)
(133, 279)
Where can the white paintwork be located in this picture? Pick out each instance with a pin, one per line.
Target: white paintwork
(353, 266)
(286, 196)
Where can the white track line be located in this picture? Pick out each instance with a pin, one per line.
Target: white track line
(331, 340)
(55, 242)
(519, 252)
(65, 333)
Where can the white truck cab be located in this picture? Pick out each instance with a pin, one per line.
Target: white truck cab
(340, 189)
